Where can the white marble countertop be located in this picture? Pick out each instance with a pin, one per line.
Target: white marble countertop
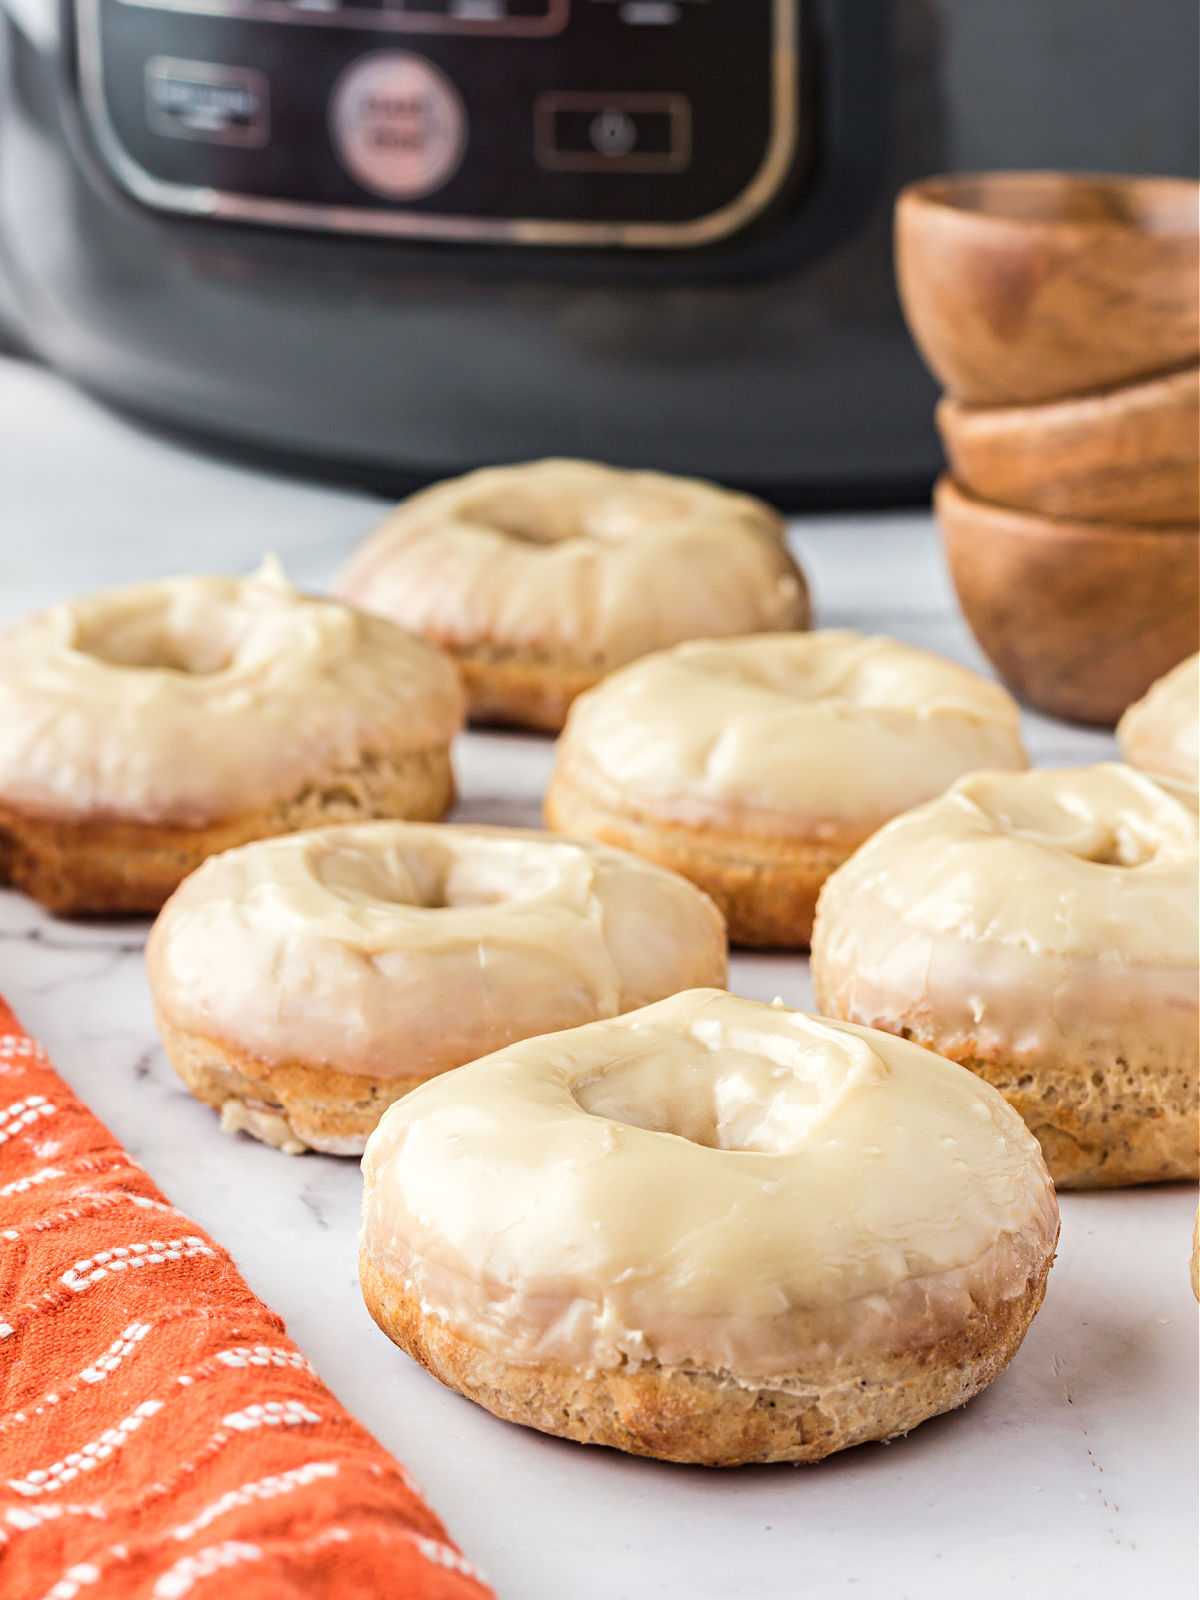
(1074, 1474)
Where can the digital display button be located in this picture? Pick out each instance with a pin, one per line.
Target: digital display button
(576, 131)
(207, 100)
(398, 124)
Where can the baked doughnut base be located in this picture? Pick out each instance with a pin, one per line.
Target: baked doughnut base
(290, 1105)
(1098, 1128)
(109, 866)
(707, 1418)
(765, 886)
(527, 691)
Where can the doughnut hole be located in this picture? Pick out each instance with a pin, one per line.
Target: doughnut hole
(854, 673)
(624, 516)
(429, 878)
(1119, 836)
(524, 513)
(161, 633)
(545, 515)
(804, 673)
(764, 1092)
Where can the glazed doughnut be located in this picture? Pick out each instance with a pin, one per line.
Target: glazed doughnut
(301, 984)
(145, 728)
(710, 1231)
(539, 579)
(1041, 929)
(754, 766)
(1160, 733)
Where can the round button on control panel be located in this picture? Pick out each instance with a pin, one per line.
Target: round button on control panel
(399, 125)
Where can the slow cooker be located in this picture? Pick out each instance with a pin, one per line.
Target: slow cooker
(391, 239)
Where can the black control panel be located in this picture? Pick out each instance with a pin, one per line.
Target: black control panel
(660, 124)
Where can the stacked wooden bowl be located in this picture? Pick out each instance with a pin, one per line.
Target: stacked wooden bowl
(1060, 311)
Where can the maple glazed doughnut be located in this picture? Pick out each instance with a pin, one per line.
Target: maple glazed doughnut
(1160, 733)
(302, 984)
(143, 729)
(710, 1231)
(541, 578)
(1040, 928)
(755, 766)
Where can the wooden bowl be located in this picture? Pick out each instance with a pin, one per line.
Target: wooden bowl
(1079, 618)
(1025, 286)
(1123, 455)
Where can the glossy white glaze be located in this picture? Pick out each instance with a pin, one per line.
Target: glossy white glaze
(191, 700)
(397, 949)
(787, 732)
(578, 562)
(708, 1182)
(1041, 917)
(1161, 732)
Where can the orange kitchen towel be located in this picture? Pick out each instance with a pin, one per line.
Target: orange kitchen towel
(160, 1436)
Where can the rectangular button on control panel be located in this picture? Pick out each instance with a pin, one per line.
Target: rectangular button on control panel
(576, 131)
(209, 101)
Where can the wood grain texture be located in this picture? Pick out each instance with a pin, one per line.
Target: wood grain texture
(1130, 454)
(1078, 618)
(1020, 287)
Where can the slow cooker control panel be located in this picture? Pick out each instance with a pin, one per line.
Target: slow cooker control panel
(641, 123)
